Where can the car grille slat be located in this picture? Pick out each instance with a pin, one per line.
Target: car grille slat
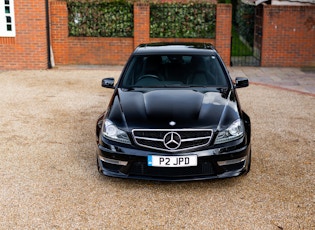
(172, 140)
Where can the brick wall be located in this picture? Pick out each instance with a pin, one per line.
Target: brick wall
(113, 51)
(288, 36)
(223, 31)
(141, 23)
(28, 49)
(84, 50)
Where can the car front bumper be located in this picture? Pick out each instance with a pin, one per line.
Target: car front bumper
(214, 163)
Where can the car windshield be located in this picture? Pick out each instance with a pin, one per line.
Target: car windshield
(174, 71)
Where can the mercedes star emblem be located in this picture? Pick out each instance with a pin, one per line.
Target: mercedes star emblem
(172, 140)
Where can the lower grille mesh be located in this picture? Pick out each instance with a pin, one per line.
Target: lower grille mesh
(141, 168)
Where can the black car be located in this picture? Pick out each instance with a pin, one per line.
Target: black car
(174, 115)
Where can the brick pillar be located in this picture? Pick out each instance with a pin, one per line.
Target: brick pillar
(223, 32)
(59, 31)
(141, 23)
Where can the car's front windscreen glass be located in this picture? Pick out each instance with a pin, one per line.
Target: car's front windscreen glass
(174, 71)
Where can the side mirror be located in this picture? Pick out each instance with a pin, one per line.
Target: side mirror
(241, 82)
(108, 83)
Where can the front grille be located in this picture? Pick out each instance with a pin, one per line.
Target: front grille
(142, 169)
(172, 140)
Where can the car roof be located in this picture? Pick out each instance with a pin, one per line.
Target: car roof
(175, 48)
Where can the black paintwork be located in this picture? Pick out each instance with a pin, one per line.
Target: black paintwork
(190, 107)
(155, 108)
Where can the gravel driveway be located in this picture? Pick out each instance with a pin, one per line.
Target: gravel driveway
(49, 179)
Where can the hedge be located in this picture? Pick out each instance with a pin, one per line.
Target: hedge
(176, 20)
(100, 18)
(103, 18)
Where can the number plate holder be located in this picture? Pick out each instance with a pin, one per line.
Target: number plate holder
(172, 161)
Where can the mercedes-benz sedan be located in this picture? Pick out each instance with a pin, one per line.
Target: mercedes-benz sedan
(174, 115)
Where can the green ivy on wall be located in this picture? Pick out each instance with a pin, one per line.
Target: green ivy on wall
(178, 20)
(114, 18)
(100, 18)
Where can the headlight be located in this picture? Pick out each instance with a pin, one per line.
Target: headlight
(111, 132)
(233, 132)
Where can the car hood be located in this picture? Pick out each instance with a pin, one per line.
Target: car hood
(173, 108)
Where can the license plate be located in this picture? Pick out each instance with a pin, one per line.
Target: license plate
(172, 161)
